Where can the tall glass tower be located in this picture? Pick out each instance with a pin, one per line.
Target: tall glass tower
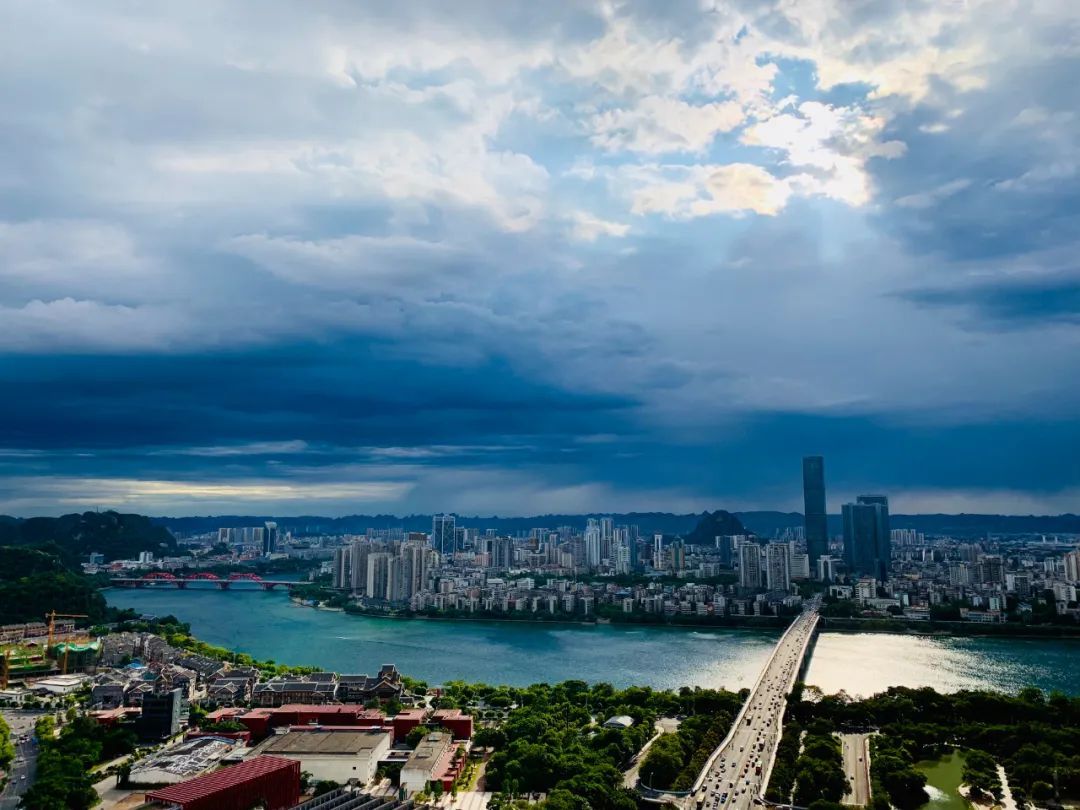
(815, 519)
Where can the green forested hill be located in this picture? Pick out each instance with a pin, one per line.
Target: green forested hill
(116, 535)
(33, 582)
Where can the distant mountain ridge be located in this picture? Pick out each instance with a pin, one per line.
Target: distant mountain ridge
(764, 523)
(113, 534)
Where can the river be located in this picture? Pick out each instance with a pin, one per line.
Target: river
(268, 625)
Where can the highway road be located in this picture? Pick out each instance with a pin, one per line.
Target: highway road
(856, 768)
(25, 766)
(739, 769)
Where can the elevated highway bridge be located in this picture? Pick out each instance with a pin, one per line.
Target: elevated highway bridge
(736, 775)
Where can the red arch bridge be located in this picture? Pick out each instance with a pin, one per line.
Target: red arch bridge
(162, 579)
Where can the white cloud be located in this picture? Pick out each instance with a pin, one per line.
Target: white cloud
(835, 142)
(679, 191)
(663, 124)
(57, 494)
(72, 256)
(359, 264)
(66, 324)
(928, 199)
(586, 227)
(1040, 176)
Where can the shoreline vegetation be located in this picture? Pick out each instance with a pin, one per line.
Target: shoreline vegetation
(726, 622)
(898, 625)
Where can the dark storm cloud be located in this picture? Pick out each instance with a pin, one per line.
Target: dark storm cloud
(524, 257)
(349, 393)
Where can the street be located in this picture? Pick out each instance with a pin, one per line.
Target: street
(740, 768)
(25, 765)
(856, 769)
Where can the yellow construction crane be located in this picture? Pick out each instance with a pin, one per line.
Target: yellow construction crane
(52, 615)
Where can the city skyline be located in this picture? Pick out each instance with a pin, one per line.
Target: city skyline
(516, 258)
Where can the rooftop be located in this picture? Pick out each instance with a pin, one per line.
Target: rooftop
(202, 787)
(429, 749)
(324, 742)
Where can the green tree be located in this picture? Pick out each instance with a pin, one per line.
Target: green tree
(663, 762)
(413, 738)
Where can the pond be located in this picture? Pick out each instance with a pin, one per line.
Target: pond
(942, 781)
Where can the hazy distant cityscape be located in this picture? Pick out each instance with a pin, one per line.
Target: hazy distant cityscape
(600, 569)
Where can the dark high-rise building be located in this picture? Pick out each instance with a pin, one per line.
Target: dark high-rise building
(161, 716)
(444, 534)
(867, 541)
(815, 518)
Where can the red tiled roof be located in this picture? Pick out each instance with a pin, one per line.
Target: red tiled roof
(202, 787)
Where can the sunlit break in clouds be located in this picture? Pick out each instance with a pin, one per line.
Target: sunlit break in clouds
(516, 258)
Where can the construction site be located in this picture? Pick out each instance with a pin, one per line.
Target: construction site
(36, 650)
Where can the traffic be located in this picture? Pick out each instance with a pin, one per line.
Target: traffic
(738, 774)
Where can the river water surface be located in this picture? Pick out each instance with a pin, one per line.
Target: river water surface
(268, 625)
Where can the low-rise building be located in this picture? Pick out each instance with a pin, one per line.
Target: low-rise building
(387, 685)
(280, 691)
(336, 755)
(273, 781)
(459, 724)
(431, 761)
(181, 761)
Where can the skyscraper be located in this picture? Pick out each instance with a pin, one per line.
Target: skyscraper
(341, 567)
(502, 553)
(778, 566)
(815, 518)
(593, 544)
(867, 542)
(270, 538)
(607, 538)
(443, 534)
(358, 556)
(750, 565)
(378, 575)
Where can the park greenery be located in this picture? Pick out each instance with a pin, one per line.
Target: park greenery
(65, 761)
(554, 741)
(808, 766)
(1034, 736)
(675, 760)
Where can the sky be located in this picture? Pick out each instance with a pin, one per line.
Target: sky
(515, 258)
